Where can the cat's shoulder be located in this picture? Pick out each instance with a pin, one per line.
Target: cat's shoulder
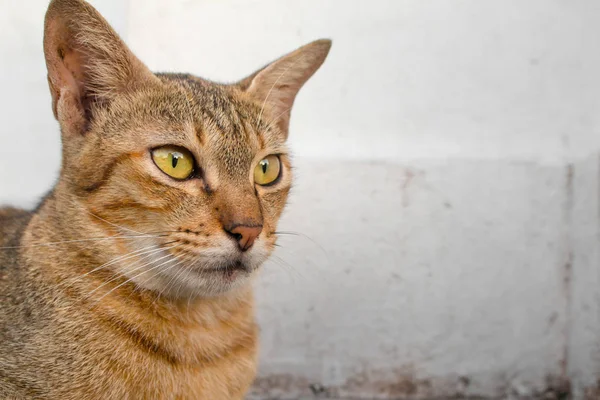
(12, 222)
(8, 213)
(10, 217)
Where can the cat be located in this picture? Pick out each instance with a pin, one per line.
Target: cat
(132, 278)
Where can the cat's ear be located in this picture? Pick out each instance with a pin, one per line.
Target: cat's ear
(88, 64)
(277, 84)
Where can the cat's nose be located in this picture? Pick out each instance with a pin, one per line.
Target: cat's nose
(244, 235)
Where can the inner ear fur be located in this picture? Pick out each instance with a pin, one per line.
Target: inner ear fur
(277, 84)
(88, 63)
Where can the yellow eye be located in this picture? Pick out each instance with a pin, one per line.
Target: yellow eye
(174, 161)
(267, 171)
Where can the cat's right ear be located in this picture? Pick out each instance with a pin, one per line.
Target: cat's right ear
(88, 64)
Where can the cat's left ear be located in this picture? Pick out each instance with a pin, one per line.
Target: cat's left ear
(277, 84)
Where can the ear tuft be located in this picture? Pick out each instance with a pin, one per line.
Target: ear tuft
(277, 84)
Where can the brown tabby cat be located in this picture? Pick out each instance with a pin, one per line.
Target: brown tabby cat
(131, 279)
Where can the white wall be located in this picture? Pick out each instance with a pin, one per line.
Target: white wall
(29, 135)
(448, 166)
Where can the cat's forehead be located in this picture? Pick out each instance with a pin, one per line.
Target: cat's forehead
(226, 126)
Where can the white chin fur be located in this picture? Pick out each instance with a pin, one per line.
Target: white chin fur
(190, 276)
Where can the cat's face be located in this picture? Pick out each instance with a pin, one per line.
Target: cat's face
(196, 174)
(186, 161)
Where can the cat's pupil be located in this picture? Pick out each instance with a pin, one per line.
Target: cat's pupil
(265, 165)
(174, 160)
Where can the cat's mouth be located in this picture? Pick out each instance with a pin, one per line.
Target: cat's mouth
(206, 271)
(234, 266)
(228, 271)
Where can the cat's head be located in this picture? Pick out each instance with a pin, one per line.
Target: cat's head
(195, 174)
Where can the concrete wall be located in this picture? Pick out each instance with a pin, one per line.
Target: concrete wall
(448, 163)
(29, 135)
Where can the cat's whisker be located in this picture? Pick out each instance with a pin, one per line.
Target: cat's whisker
(144, 252)
(186, 271)
(281, 262)
(193, 295)
(323, 273)
(113, 224)
(125, 268)
(136, 276)
(170, 267)
(128, 268)
(135, 269)
(120, 226)
(302, 235)
(190, 296)
(183, 270)
(175, 277)
(128, 280)
(115, 260)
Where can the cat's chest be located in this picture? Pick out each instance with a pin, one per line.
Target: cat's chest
(189, 364)
(226, 381)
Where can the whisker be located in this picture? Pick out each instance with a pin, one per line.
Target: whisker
(158, 295)
(316, 267)
(113, 224)
(281, 262)
(185, 270)
(189, 302)
(144, 272)
(174, 277)
(146, 251)
(132, 278)
(298, 234)
(136, 269)
(180, 262)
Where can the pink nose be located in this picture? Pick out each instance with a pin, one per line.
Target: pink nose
(244, 235)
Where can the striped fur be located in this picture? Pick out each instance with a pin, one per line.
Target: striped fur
(123, 283)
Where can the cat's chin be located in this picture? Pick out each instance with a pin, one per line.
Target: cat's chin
(220, 280)
(200, 282)
(207, 279)
(208, 273)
